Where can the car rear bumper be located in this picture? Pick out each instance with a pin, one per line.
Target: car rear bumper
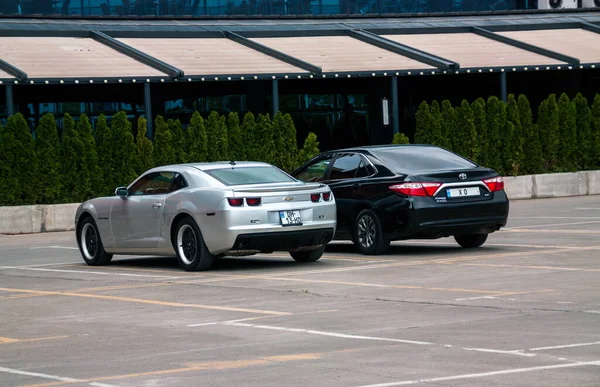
(424, 218)
(283, 240)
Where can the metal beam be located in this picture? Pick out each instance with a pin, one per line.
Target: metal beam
(404, 50)
(12, 70)
(273, 53)
(10, 105)
(395, 107)
(503, 87)
(525, 46)
(591, 27)
(275, 96)
(148, 110)
(137, 54)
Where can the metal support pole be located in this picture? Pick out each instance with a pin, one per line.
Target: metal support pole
(503, 92)
(275, 96)
(148, 107)
(395, 108)
(10, 105)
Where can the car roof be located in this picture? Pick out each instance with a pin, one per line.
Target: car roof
(209, 165)
(379, 147)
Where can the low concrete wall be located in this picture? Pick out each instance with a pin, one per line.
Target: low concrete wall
(38, 218)
(553, 185)
(60, 217)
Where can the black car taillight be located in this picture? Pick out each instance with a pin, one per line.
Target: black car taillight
(416, 189)
(495, 184)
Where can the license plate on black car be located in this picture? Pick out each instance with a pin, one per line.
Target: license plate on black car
(462, 192)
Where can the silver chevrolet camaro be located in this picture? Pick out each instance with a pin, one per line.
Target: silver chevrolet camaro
(199, 212)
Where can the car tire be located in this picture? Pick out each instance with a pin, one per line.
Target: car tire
(368, 234)
(308, 255)
(192, 253)
(471, 241)
(90, 244)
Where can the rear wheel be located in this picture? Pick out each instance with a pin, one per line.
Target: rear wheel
(308, 255)
(368, 234)
(90, 244)
(471, 241)
(192, 253)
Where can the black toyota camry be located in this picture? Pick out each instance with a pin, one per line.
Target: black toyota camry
(397, 192)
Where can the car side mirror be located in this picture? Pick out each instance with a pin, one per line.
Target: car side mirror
(122, 192)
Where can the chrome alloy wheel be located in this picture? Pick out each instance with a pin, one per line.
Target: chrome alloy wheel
(187, 244)
(89, 241)
(366, 231)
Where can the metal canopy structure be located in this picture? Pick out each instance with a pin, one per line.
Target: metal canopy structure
(79, 51)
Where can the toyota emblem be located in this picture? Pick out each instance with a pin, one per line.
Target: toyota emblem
(462, 176)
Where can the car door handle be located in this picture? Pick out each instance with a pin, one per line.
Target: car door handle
(156, 206)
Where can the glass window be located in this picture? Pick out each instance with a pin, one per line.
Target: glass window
(402, 159)
(250, 175)
(315, 171)
(364, 169)
(155, 183)
(345, 166)
(178, 183)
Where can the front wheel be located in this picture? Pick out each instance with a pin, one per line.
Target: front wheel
(90, 244)
(368, 234)
(308, 255)
(471, 241)
(192, 253)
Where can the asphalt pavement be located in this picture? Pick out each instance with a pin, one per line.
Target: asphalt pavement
(523, 310)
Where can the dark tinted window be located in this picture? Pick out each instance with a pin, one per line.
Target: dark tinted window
(315, 171)
(420, 158)
(155, 183)
(250, 175)
(345, 166)
(364, 169)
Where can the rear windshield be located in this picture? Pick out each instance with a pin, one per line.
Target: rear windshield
(250, 175)
(410, 159)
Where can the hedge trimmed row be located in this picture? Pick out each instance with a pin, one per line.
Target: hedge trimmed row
(505, 137)
(84, 163)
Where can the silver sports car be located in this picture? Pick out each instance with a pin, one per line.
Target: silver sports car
(199, 212)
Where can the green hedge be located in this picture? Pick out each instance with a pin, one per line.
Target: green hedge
(503, 135)
(82, 164)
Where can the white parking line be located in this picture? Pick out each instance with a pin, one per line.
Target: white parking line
(90, 272)
(551, 225)
(41, 265)
(555, 217)
(565, 346)
(54, 247)
(322, 333)
(51, 377)
(517, 352)
(592, 311)
(486, 374)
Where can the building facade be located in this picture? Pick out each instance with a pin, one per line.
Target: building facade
(350, 80)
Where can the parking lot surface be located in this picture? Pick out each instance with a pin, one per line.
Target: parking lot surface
(523, 310)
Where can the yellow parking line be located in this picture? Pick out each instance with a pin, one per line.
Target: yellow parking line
(146, 301)
(8, 340)
(205, 366)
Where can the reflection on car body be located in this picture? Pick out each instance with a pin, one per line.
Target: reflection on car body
(202, 211)
(396, 192)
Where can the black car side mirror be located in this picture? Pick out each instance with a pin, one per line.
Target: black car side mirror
(122, 192)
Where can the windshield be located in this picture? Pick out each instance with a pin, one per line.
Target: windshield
(250, 175)
(421, 158)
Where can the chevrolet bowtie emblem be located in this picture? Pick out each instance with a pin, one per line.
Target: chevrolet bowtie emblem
(288, 198)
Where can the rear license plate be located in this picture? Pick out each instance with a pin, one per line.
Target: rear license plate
(290, 218)
(462, 192)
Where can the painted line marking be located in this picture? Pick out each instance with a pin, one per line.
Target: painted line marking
(514, 352)
(587, 208)
(458, 248)
(323, 333)
(54, 247)
(44, 264)
(146, 301)
(61, 379)
(565, 346)
(88, 272)
(592, 311)
(8, 340)
(485, 374)
(190, 367)
(555, 217)
(530, 267)
(258, 318)
(553, 224)
(578, 232)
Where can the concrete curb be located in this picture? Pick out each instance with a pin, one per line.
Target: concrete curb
(60, 217)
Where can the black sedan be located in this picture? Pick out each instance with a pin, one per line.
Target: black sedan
(398, 192)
